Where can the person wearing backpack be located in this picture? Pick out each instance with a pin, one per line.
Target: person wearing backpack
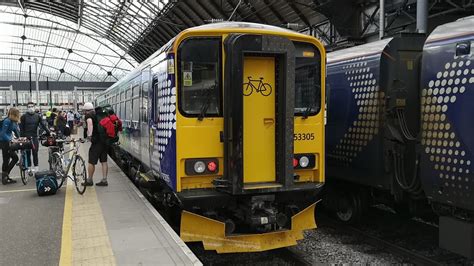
(98, 149)
(8, 126)
(29, 124)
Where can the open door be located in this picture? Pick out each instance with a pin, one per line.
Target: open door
(258, 113)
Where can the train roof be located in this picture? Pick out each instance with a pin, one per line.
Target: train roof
(357, 51)
(240, 25)
(459, 28)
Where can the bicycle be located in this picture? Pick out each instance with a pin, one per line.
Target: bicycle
(61, 168)
(264, 88)
(23, 144)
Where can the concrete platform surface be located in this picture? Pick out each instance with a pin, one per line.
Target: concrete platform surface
(112, 225)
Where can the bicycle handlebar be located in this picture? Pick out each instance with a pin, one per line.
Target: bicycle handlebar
(71, 140)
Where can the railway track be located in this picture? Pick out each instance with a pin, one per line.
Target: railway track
(382, 241)
(282, 256)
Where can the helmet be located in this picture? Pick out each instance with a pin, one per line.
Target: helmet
(88, 107)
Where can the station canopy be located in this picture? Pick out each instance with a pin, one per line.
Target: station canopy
(94, 40)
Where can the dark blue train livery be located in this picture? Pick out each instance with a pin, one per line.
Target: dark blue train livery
(447, 109)
(399, 129)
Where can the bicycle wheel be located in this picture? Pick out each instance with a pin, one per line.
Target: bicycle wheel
(79, 173)
(267, 89)
(247, 89)
(57, 167)
(24, 176)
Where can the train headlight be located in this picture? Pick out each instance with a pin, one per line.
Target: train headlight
(304, 162)
(199, 167)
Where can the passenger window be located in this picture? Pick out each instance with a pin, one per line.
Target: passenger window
(199, 63)
(122, 110)
(307, 79)
(136, 109)
(129, 110)
(136, 90)
(144, 106)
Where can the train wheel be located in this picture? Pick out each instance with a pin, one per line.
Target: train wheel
(349, 209)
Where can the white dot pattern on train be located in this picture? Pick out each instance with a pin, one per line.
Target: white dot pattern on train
(439, 139)
(167, 112)
(365, 91)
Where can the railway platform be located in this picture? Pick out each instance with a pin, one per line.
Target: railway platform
(112, 225)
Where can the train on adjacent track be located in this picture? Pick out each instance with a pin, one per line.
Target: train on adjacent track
(225, 123)
(400, 129)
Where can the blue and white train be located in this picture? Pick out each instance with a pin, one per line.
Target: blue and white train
(400, 129)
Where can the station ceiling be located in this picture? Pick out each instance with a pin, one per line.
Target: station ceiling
(86, 40)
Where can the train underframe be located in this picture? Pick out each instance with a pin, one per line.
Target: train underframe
(349, 201)
(224, 222)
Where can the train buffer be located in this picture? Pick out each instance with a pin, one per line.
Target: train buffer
(112, 225)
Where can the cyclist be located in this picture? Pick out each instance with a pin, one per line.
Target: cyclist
(98, 149)
(29, 124)
(9, 126)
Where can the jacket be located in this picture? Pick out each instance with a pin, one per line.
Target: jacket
(29, 124)
(8, 127)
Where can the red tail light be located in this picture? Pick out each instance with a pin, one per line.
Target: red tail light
(211, 166)
(295, 162)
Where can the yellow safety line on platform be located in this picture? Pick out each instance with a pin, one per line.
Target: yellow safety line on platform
(66, 238)
(90, 238)
(18, 190)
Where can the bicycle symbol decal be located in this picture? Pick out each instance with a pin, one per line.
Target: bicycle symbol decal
(264, 88)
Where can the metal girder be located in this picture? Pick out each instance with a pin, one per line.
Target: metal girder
(70, 29)
(32, 62)
(255, 12)
(192, 12)
(299, 13)
(219, 10)
(274, 11)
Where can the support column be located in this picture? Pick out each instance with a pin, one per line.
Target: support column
(382, 19)
(422, 16)
(11, 96)
(37, 82)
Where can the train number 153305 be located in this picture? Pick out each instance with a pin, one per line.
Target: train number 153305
(303, 136)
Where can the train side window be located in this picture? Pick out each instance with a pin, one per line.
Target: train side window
(144, 106)
(307, 79)
(199, 61)
(136, 109)
(122, 110)
(136, 90)
(463, 48)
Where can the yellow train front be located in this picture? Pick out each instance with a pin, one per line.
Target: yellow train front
(233, 135)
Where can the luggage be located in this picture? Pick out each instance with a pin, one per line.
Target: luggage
(46, 183)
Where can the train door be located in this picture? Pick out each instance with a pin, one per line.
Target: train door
(258, 113)
(259, 119)
(144, 132)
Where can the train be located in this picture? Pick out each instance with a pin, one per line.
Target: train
(399, 129)
(224, 126)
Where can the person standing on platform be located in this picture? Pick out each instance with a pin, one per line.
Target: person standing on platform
(29, 124)
(60, 123)
(9, 126)
(98, 149)
(70, 119)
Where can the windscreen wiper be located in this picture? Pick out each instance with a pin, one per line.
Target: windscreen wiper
(206, 103)
(308, 110)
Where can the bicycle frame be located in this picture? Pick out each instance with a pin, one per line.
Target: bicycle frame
(74, 150)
